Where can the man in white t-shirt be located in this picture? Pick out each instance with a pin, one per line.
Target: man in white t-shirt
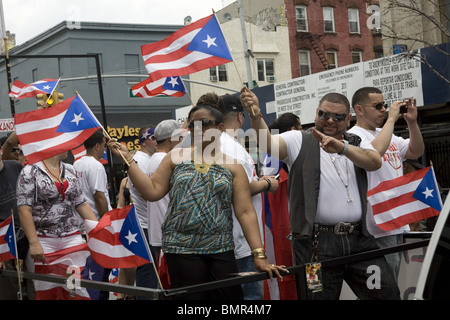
(231, 107)
(370, 109)
(93, 175)
(327, 203)
(167, 136)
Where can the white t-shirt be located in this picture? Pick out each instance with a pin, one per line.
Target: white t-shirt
(230, 147)
(391, 168)
(332, 206)
(93, 178)
(156, 210)
(140, 204)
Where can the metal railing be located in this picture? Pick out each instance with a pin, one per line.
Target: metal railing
(167, 294)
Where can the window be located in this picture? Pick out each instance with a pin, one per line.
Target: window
(332, 59)
(34, 75)
(356, 56)
(353, 20)
(218, 73)
(266, 71)
(302, 20)
(305, 62)
(132, 67)
(328, 19)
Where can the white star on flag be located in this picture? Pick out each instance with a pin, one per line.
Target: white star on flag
(210, 41)
(131, 237)
(91, 275)
(173, 81)
(77, 118)
(428, 193)
(46, 87)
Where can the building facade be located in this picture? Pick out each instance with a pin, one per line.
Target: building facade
(326, 34)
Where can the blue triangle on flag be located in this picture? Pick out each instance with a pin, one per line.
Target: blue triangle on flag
(11, 239)
(173, 83)
(46, 86)
(77, 117)
(131, 236)
(92, 271)
(210, 40)
(428, 191)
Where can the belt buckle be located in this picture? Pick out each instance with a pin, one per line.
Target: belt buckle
(342, 228)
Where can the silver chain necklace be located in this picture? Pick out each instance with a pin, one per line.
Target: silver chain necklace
(333, 160)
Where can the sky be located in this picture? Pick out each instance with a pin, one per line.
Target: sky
(29, 18)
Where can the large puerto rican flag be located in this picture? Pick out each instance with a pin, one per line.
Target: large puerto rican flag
(47, 132)
(197, 46)
(117, 240)
(410, 198)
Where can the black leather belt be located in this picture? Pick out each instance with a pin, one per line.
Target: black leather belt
(340, 227)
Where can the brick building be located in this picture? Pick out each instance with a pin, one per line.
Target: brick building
(326, 34)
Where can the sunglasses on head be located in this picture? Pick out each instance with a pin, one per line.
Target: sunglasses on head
(15, 149)
(201, 123)
(323, 115)
(380, 105)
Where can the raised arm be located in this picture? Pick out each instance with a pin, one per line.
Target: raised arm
(272, 144)
(150, 189)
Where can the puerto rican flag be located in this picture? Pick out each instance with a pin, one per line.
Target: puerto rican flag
(170, 86)
(47, 132)
(117, 240)
(66, 263)
(197, 46)
(80, 152)
(21, 90)
(8, 248)
(401, 201)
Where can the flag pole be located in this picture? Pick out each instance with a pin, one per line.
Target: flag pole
(50, 95)
(105, 133)
(18, 261)
(234, 62)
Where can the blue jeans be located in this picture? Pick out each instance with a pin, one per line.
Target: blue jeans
(252, 290)
(392, 259)
(356, 274)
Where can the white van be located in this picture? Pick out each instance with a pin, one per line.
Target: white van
(434, 277)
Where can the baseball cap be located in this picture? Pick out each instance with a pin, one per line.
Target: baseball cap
(165, 129)
(232, 103)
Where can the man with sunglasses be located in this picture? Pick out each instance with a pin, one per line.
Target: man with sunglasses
(327, 197)
(370, 109)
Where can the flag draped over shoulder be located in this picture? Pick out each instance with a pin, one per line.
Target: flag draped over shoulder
(406, 199)
(21, 90)
(170, 86)
(59, 263)
(197, 46)
(8, 249)
(117, 240)
(44, 133)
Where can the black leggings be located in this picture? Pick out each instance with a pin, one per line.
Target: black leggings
(190, 269)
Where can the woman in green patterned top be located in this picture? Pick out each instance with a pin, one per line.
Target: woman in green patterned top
(197, 234)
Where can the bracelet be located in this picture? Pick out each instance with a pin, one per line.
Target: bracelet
(269, 184)
(344, 152)
(130, 162)
(259, 116)
(259, 253)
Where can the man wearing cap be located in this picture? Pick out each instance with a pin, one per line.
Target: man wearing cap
(231, 107)
(167, 135)
(370, 109)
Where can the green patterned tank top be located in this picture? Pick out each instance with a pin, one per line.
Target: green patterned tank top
(199, 217)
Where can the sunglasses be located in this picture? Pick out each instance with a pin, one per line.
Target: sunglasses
(14, 150)
(380, 106)
(338, 117)
(201, 123)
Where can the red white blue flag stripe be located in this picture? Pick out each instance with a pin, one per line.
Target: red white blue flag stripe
(406, 199)
(8, 248)
(21, 90)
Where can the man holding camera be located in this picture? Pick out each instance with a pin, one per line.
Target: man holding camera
(370, 109)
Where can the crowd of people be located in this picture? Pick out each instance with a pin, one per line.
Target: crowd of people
(198, 194)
